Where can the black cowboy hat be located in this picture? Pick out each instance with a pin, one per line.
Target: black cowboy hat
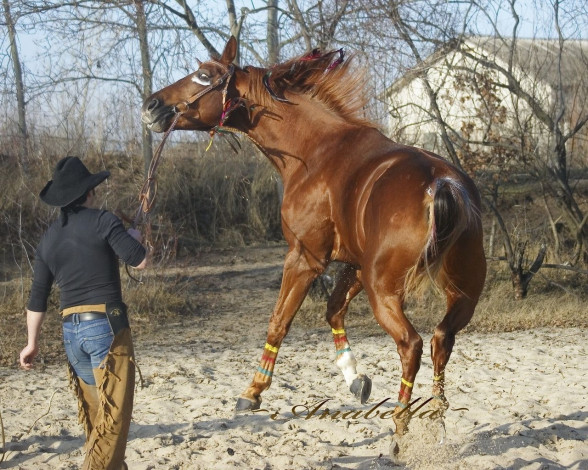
(71, 180)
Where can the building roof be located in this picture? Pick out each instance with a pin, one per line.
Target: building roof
(537, 58)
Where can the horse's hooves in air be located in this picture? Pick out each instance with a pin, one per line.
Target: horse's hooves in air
(361, 387)
(245, 404)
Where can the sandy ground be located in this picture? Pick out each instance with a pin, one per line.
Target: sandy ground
(517, 400)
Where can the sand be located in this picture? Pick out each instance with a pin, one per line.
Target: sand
(517, 400)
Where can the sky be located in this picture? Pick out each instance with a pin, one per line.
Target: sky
(528, 28)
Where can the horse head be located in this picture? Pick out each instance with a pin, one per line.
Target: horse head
(198, 98)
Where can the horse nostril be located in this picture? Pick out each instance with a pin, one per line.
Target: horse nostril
(153, 105)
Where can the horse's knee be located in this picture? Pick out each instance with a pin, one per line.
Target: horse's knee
(336, 306)
(331, 314)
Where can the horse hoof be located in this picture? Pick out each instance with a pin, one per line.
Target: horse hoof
(395, 451)
(245, 404)
(361, 387)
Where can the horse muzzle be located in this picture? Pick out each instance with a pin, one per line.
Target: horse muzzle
(157, 116)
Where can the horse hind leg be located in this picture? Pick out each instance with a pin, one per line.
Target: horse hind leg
(458, 315)
(389, 313)
(347, 287)
(465, 283)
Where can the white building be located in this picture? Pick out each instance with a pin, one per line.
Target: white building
(499, 100)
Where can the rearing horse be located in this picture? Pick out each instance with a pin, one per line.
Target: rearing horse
(397, 216)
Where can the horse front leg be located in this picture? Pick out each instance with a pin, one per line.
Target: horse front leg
(347, 287)
(297, 278)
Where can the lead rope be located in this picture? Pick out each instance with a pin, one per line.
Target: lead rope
(149, 191)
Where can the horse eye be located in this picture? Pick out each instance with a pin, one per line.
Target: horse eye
(201, 78)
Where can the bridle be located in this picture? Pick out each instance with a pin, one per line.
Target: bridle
(149, 188)
(148, 191)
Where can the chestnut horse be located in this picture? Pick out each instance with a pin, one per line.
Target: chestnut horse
(399, 217)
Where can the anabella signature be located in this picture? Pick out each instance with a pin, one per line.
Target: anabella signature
(317, 410)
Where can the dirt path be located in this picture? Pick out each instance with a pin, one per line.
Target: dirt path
(518, 400)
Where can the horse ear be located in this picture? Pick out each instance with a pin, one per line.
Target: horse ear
(230, 51)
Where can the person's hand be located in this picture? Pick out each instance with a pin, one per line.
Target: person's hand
(133, 232)
(27, 356)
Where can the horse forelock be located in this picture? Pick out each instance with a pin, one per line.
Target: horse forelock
(338, 86)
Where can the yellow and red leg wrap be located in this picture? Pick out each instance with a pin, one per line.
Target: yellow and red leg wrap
(266, 366)
(439, 386)
(405, 391)
(341, 343)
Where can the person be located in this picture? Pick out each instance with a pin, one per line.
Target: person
(79, 253)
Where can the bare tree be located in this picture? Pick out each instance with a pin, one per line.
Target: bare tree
(105, 43)
(18, 80)
(301, 26)
(273, 47)
(496, 138)
(319, 24)
(147, 73)
(559, 114)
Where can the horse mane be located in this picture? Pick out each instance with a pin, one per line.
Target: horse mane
(323, 76)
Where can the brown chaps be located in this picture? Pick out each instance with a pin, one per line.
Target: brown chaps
(105, 409)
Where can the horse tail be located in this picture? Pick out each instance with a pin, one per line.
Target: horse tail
(452, 211)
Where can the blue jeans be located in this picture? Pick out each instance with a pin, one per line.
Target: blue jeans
(86, 344)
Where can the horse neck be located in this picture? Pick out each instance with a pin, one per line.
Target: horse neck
(292, 135)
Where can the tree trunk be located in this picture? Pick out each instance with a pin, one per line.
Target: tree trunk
(19, 83)
(146, 136)
(520, 277)
(273, 46)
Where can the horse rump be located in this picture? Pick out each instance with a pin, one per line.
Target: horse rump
(453, 210)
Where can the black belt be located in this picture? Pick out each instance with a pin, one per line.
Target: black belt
(84, 316)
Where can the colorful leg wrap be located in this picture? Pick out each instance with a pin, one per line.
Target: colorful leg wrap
(440, 377)
(341, 344)
(406, 382)
(405, 390)
(266, 366)
(344, 357)
(439, 386)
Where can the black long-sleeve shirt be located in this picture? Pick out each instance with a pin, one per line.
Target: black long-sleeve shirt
(82, 258)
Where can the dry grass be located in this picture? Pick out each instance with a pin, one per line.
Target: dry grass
(156, 301)
(166, 297)
(217, 198)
